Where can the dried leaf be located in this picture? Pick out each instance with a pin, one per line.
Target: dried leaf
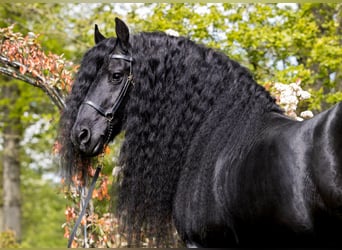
(22, 69)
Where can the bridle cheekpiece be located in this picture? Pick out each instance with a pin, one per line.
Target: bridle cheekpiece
(109, 114)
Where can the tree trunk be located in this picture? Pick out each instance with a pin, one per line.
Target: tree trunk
(12, 133)
(1, 196)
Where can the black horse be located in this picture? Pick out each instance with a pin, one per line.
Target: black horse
(206, 148)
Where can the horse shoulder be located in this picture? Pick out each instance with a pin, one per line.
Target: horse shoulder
(326, 156)
(270, 183)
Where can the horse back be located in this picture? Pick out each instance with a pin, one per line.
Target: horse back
(289, 185)
(283, 190)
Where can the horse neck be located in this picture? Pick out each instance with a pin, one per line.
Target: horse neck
(177, 84)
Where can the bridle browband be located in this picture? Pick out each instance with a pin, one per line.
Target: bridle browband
(109, 115)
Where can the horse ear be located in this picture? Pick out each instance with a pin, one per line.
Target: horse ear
(122, 32)
(97, 35)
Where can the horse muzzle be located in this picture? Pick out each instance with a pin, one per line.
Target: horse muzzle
(87, 141)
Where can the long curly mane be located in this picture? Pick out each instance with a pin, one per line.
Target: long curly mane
(177, 85)
(182, 92)
(72, 161)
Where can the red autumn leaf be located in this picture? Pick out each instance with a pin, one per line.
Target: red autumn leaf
(91, 171)
(102, 191)
(69, 214)
(74, 244)
(84, 221)
(95, 194)
(27, 52)
(66, 232)
(35, 73)
(22, 69)
(107, 150)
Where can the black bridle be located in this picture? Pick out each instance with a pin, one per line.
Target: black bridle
(109, 115)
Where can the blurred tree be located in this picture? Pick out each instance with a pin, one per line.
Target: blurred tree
(22, 106)
(12, 134)
(277, 42)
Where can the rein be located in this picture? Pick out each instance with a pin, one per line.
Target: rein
(84, 205)
(109, 115)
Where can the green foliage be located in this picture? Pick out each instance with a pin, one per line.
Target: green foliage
(42, 211)
(46, 19)
(277, 42)
(42, 206)
(285, 44)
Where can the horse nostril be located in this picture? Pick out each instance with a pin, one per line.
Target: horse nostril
(84, 136)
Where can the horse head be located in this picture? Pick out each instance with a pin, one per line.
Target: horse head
(99, 118)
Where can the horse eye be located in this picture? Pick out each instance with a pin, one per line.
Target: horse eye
(116, 77)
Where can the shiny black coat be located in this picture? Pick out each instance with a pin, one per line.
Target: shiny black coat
(284, 191)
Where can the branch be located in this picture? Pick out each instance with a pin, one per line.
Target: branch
(23, 58)
(12, 69)
(13, 74)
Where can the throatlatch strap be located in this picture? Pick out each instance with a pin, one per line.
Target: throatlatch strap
(90, 192)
